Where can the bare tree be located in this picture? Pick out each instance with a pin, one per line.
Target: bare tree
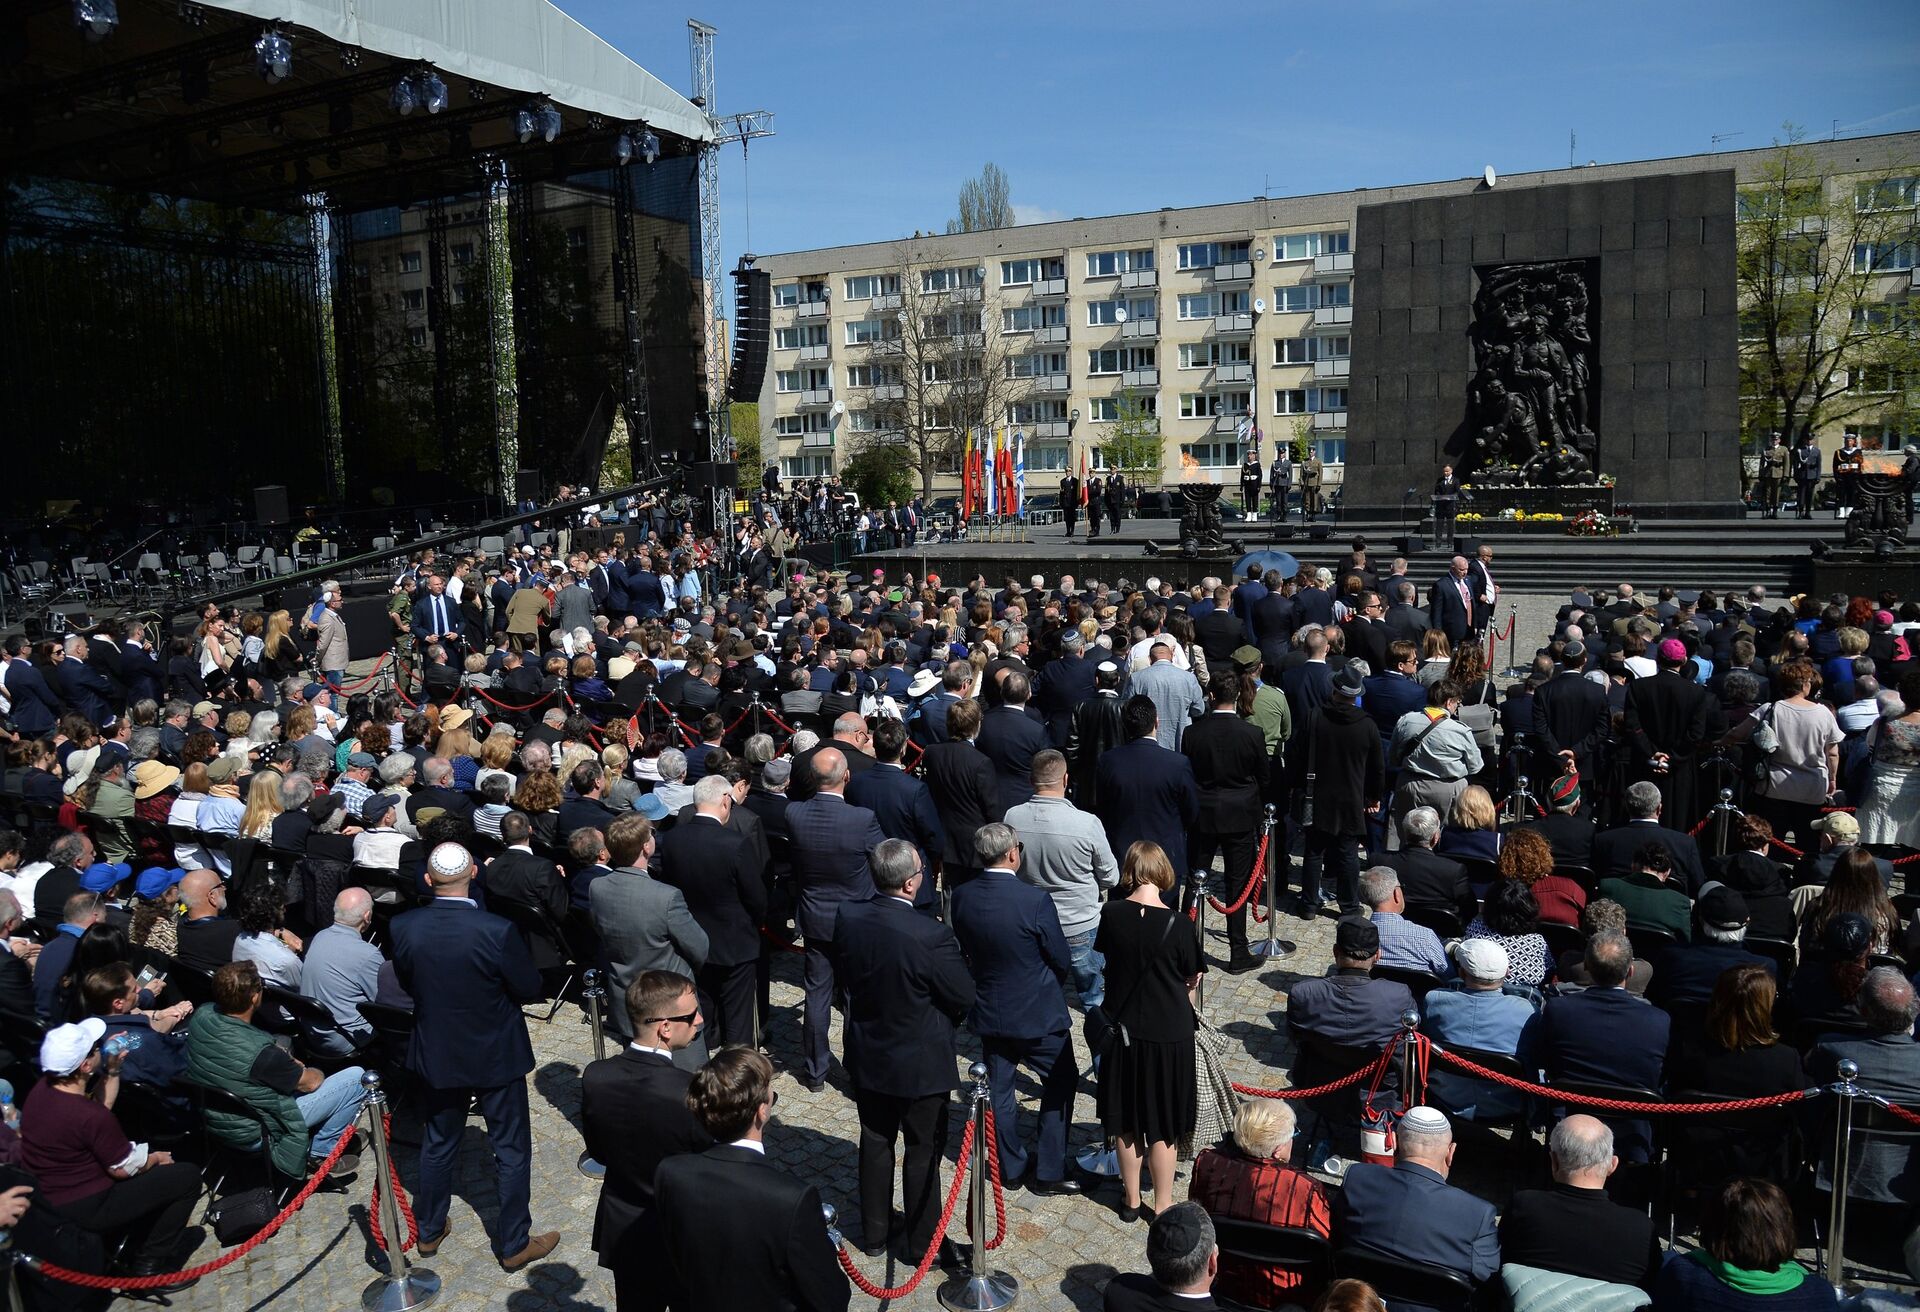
(1822, 342)
(985, 202)
(938, 364)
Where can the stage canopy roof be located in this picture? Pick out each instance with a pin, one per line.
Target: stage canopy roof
(174, 97)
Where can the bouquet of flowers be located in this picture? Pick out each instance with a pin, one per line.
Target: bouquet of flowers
(1592, 524)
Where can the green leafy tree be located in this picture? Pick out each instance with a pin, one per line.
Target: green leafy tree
(880, 472)
(1133, 442)
(985, 202)
(743, 420)
(1823, 339)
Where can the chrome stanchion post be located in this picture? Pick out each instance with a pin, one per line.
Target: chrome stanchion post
(594, 996)
(1723, 812)
(1197, 882)
(981, 1289)
(1522, 799)
(404, 1286)
(1513, 637)
(1275, 947)
(1844, 1091)
(1409, 1025)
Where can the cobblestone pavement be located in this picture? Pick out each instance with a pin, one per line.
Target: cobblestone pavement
(1061, 1249)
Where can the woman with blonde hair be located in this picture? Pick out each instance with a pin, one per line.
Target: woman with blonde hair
(1436, 658)
(279, 653)
(1251, 1178)
(496, 754)
(1472, 830)
(1147, 1096)
(263, 806)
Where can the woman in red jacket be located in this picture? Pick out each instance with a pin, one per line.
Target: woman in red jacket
(1249, 1179)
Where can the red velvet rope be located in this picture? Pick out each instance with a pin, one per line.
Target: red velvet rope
(412, 1238)
(1910, 1117)
(872, 1290)
(1617, 1104)
(1254, 881)
(508, 706)
(1344, 1082)
(999, 1195)
(779, 942)
(87, 1280)
(379, 665)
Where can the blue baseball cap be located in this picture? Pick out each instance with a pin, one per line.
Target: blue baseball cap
(102, 875)
(156, 880)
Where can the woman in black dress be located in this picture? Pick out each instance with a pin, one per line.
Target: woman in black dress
(1146, 1099)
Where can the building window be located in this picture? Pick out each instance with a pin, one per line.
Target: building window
(463, 253)
(864, 332)
(1336, 293)
(807, 466)
(1037, 365)
(577, 240)
(1333, 348)
(1025, 318)
(869, 285)
(1331, 450)
(1293, 350)
(950, 325)
(1199, 405)
(1884, 437)
(1332, 398)
(786, 380)
(1106, 409)
(1111, 264)
(1884, 257)
(1212, 455)
(414, 298)
(1290, 401)
(1037, 412)
(1292, 300)
(1886, 194)
(1334, 243)
(409, 261)
(1046, 458)
(946, 280)
(862, 421)
(801, 425)
(1199, 305)
(1024, 273)
(416, 336)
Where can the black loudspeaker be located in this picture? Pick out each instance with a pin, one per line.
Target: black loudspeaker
(1283, 532)
(526, 485)
(752, 333)
(705, 475)
(270, 504)
(1320, 532)
(368, 630)
(1411, 544)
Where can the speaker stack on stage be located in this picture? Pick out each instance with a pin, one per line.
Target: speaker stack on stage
(752, 330)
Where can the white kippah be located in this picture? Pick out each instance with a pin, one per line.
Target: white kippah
(449, 861)
(1429, 1120)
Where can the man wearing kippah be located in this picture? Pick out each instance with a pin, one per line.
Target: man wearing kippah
(1409, 1210)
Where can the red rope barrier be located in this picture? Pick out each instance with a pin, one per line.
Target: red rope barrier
(1254, 881)
(1910, 1117)
(1788, 848)
(508, 706)
(1700, 828)
(779, 942)
(1621, 1105)
(872, 1290)
(999, 1195)
(347, 689)
(120, 1284)
(1373, 1068)
(412, 1239)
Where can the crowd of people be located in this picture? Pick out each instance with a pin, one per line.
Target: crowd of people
(238, 874)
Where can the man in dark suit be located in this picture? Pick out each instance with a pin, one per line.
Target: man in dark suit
(831, 842)
(519, 874)
(1343, 752)
(1602, 1035)
(1570, 719)
(1009, 737)
(1063, 684)
(584, 810)
(139, 670)
(1568, 832)
(715, 869)
(1668, 719)
(36, 708)
(1275, 616)
(633, 1112)
(1409, 1211)
(966, 793)
(1230, 762)
(1613, 849)
(1308, 685)
(1146, 791)
(902, 805)
(1010, 933)
(468, 974)
(1367, 635)
(1246, 596)
(1573, 1227)
(907, 986)
(83, 687)
(436, 617)
(929, 723)
(1348, 1006)
(1889, 1062)
(1405, 621)
(436, 790)
(739, 1232)
(1182, 1254)
(1219, 630)
(1392, 691)
(1427, 878)
(1450, 604)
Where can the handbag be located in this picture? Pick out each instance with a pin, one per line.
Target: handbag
(1104, 1032)
(1756, 762)
(1481, 717)
(241, 1215)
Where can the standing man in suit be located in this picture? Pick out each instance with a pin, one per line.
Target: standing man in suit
(436, 617)
(1570, 719)
(1116, 499)
(738, 1232)
(831, 842)
(643, 924)
(1070, 501)
(907, 986)
(1009, 737)
(1450, 605)
(1806, 473)
(1408, 1210)
(1147, 791)
(1343, 755)
(966, 792)
(714, 867)
(36, 709)
(1392, 691)
(1405, 621)
(1229, 760)
(1446, 503)
(468, 974)
(633, 1111)
(1010, 933)
(902, 806)
(1486, 593)
(1063, 684)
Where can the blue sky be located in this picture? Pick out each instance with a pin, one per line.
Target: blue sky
(884, 109)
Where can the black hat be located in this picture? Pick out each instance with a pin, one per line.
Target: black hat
(1723, 908)
(1349, 682)
(1355, 937)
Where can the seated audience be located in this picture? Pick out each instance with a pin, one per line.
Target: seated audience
(1651, 894)
(1745, 1259)
(265, 940)
(1250, 1179)
(1736, 1054)
(342, 970)
(1603, 1035)
(1184, 1260)
(206, 936)
(1477, 1013)
(1408, 1210)
(1403, 944)
(1889, 1062)
(1511, 918)
(159, 1052)
(1685, 973)
(1527, 859)
(1568, 832)
(1573, 1227)
(1472, 831)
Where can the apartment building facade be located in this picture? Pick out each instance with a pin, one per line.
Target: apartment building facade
(1229, 323)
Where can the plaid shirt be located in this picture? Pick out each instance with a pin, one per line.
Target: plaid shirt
(1407, 946)
(354, 791)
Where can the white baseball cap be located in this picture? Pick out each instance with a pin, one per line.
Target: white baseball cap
(66, 1046)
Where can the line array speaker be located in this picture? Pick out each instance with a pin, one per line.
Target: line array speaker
(752, 329)
(270, 504)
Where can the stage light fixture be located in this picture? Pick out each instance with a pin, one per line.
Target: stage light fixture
(623, 148)
(433, 92)
(649, 146)
(273, 56)
(404, 98)
(537, 119)
(96, 19)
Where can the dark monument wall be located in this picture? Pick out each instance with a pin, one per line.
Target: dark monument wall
(1666, 376)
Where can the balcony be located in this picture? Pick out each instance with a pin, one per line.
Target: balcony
(1137, 378)
(1050, 428)
(1236, 325)
(818, 398)
(1053, 384)
(968, 295)
(1914, 276)
(811, 310)
(1237, 272)
(885, 301)
(824, 351)
(1146, 330)
(1332, 368)
(1332, 318)
(1050, 334)
(1050, 289)
(1325, 421)
(889, 391)
(1229, 423)
(1228, 375)
(1140, 278)
(1336, 265)
(817, 440)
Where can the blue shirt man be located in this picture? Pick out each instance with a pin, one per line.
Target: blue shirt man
(1477, 1014)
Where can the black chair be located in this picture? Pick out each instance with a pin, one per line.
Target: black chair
(1639, 1182)
(1649, 942)
(1709, 1150)
(1780, 952)
(309, 1018)
(226, 1160)
(1296, 1249)
(148, 1116)
(536, 926)
(1398, 1280)
(1562, 939)
(1420, 982)
(1581, 875)
(194, 984)
(1871, 1124)
(1480, 872)
(1443, 921)
(1321, 1061)
(387, 1050)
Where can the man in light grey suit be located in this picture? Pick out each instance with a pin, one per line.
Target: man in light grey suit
(643, 925)
(1175, 693)
(1889, 1062)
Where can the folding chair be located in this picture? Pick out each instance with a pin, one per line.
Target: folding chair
(1399, 1280)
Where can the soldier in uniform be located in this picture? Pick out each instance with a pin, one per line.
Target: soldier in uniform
(1310, 474)
(1849, 462)
(1070, 500)
(1116, 499)
(1775, 464)
(1250, 481)
(1806, 473)
(1280, 484)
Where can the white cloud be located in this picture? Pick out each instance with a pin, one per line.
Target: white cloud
(1024, 214)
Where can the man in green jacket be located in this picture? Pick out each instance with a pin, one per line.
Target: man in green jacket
(225, 1050)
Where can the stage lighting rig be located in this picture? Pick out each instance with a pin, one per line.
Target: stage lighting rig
(536, 119)
(273, 56)
(96, 19)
